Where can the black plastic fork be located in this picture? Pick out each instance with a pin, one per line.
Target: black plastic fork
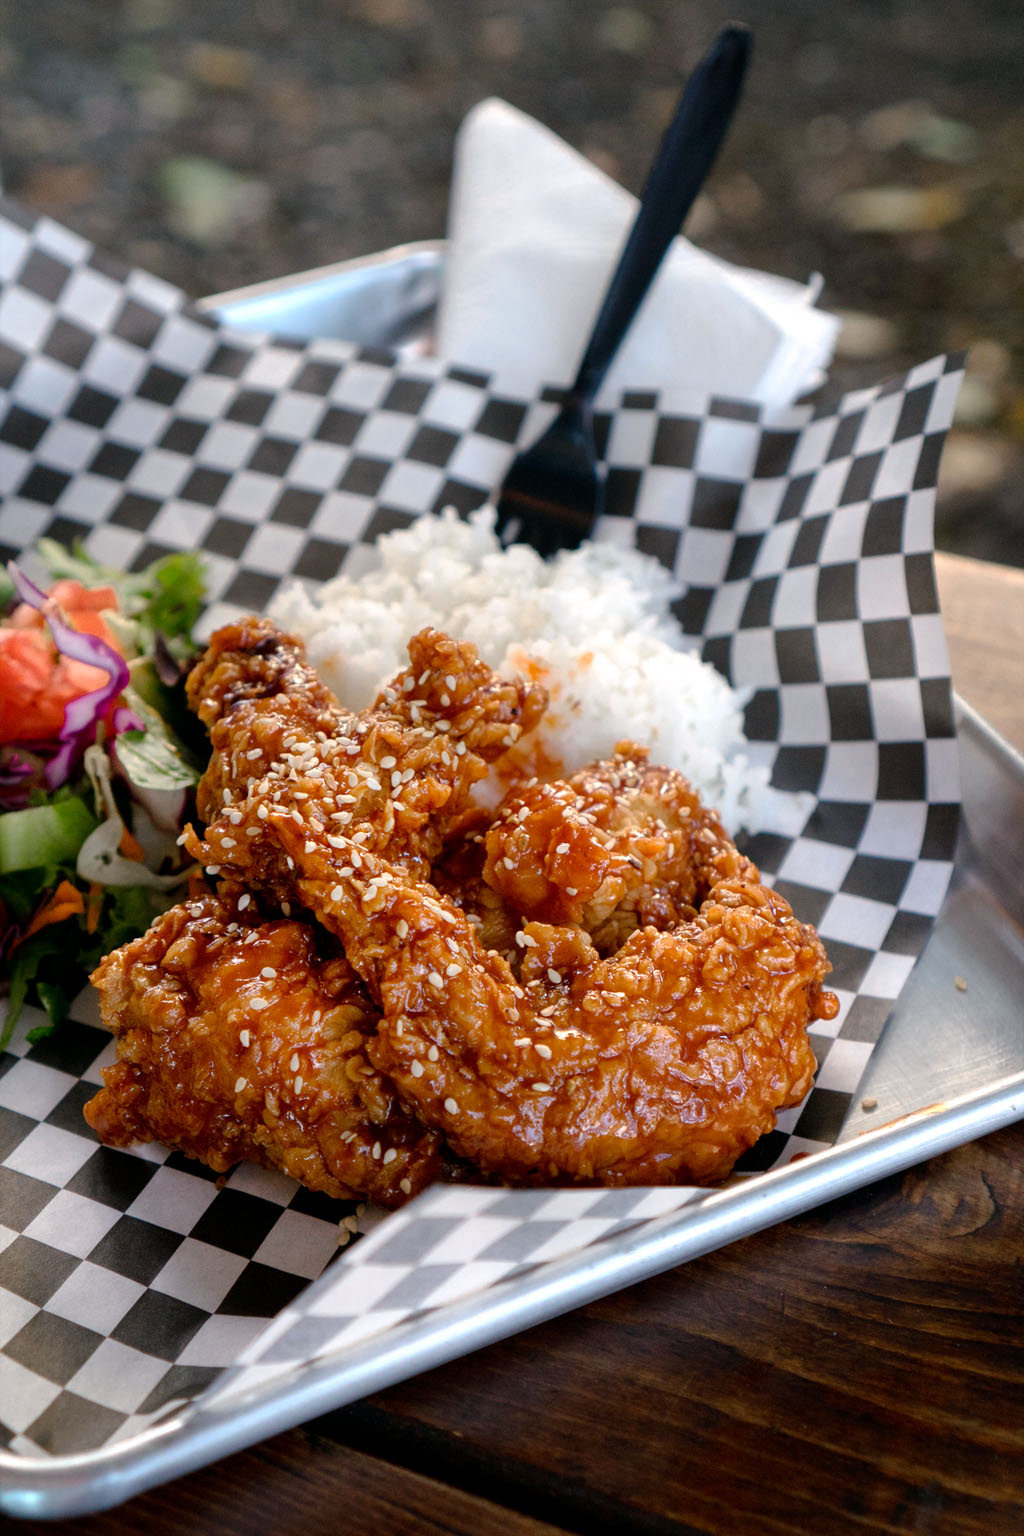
(554, 491)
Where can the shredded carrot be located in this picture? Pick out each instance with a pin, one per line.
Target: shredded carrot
(131, 847)
(93, 906)
(65, 902)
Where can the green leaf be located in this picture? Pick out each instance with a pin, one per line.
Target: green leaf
(166, 597)
(152, 758)
(56, 1003)
(25, 964)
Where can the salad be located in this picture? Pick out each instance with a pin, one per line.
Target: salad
(99, 759)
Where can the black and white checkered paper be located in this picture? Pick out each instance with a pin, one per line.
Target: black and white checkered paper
(133, 422)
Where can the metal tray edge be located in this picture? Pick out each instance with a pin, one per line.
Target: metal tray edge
(86, 1482)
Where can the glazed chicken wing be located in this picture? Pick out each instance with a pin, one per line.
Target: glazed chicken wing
(613, 848)
(661, 1063)
(396, 777)
(240, 1039)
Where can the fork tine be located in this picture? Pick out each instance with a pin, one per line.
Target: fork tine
(552, 492)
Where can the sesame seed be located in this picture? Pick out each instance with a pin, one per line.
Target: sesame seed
(234, 817)
(310, 846)
(254, 754)
(241, 1084)
(262, 812)
(402, 928)
(389, 1155)
(417, 1069)
(539, 1087)
(405, 1185)
(375, 1151)
(214, 869)
(436, 980)
(544, 1050)
(571, 890)
(396, 779)
(294, 1063)
(529, 942)
(286, 908)
(546, 1013)
(453, 969)
(337, 892)
(258, 1004)
(298, 1085)
(388, 762)
(445, 700)
(244, 1038)
(521, 939)
(522, 1040)
(433, 1054)
(554, 976)
(562, 848)
(451, 1106)
(508, 863)
(252, 831)
(243, 901)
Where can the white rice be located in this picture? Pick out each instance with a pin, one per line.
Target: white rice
(593, 625)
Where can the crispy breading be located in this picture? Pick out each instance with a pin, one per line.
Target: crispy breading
(241, 1039)
(398, 775)
(661, 1063)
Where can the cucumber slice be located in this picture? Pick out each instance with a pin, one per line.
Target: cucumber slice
(43, 835)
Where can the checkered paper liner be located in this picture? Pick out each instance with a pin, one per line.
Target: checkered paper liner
(130, 420)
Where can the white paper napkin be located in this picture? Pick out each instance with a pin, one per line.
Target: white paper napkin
(535, 230)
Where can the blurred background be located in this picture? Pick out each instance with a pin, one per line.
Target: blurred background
(881, 143)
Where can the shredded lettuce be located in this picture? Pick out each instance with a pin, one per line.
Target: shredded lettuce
(166, 598)
(99, 858)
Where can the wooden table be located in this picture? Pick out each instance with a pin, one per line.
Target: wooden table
(856, 1371)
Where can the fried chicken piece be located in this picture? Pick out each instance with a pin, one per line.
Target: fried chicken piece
(240, 1039)
(397, 776)
(459, 875)
(253, 691)
(610, 849)
(660, 1064)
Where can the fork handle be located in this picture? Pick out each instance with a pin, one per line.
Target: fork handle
(685, 156)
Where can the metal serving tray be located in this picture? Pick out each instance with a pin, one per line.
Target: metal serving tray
(949, 1068)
